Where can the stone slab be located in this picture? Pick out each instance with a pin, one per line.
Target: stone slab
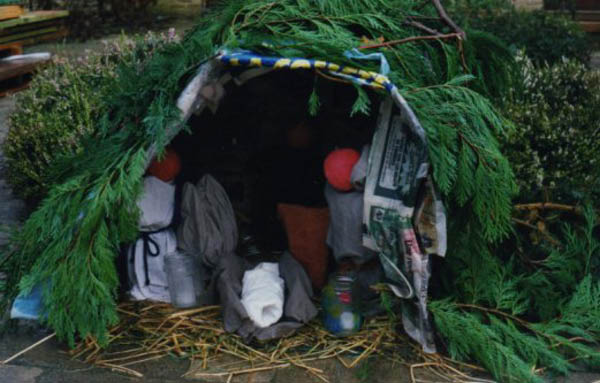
(19, 374)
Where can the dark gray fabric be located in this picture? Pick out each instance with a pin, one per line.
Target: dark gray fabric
(208, 228)
(345, 227)
(298, 306)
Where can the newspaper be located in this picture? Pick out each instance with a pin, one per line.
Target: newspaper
(396, 188)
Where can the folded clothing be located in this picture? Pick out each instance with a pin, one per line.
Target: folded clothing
(298, 307)
(263, 294)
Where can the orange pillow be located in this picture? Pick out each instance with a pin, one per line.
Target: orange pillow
(306, 229)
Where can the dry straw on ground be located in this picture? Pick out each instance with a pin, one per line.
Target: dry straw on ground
(149, 331)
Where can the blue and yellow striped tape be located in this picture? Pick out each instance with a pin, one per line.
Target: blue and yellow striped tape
(363, 77)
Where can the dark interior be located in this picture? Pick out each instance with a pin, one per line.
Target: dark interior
(245, 145)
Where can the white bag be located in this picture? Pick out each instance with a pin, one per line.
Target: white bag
(262, 294)
(146, 265)
(157, 204)
(146, 257)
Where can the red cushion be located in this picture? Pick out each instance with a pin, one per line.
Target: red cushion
(306, 229)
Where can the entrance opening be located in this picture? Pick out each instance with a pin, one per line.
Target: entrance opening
(264, 147)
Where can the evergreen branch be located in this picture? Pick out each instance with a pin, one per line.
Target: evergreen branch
(7, 258)
(570, 340)
(473, 147)
(518, 320)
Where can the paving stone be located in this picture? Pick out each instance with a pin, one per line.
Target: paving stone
(216, 372)
(19, 374)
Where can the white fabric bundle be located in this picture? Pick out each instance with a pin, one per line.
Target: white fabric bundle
(263, 294)
(146, 257)
(157, 204)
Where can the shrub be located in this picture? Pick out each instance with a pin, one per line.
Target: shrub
(61, 108)
(94, 18)
(557, 114)
(545, 36)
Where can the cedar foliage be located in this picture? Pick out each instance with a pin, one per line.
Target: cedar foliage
(513, 318)
(72, 238)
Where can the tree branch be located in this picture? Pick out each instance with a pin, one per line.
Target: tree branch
(410, 39)
(548, 206)
(422, 27)
(446, 19)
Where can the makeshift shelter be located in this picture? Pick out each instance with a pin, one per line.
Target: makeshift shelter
(72, 239)
(398, 168)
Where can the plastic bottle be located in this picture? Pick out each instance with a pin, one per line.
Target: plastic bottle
(341, 309)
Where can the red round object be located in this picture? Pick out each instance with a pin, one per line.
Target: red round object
(338, 168)
(167, 169)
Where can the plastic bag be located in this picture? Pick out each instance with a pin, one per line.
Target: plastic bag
(29, 306)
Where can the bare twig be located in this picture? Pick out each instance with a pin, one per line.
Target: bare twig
(422, 27)
(533, 227)
(446, 19)
(126, 370)
(411, 39)
(548, 206)
(18, 354)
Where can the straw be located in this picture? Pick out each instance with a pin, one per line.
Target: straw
(149, 331)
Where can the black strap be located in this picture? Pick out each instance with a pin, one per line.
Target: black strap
(149, 248)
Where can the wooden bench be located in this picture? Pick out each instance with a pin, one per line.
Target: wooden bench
(16, 72)
(18, 31)
(589, 20)
(34, 27)
(10, 12)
